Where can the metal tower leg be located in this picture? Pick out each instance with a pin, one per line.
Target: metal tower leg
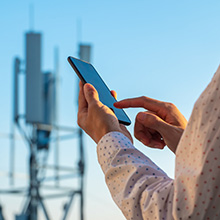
(1, 214)
(81, 166)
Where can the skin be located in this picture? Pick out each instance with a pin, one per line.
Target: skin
(95, 118)
(161, 125)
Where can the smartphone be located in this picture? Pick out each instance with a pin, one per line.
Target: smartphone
(87, 74)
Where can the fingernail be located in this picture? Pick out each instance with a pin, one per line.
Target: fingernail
(141, 116)
(88, 86)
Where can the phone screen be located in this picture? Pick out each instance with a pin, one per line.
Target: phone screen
(88, 74)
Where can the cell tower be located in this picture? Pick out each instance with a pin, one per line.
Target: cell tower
(39, 126)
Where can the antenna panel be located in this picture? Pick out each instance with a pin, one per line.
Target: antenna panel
(34, 79)
(85, 52)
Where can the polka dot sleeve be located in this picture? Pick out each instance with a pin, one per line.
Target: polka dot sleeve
(197, 174)
(138, 186)
(143, 191)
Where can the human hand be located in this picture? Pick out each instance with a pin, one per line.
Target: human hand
(161, 125)
(95, 118)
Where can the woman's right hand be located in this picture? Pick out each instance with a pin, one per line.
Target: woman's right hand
(163, 124)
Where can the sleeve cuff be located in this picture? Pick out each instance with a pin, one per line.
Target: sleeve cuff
(109, 145)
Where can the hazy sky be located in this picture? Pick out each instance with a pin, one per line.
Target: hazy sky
(166, 50)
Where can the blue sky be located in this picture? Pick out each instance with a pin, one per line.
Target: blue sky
(166, 50)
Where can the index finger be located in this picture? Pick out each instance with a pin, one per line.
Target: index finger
(143, 102)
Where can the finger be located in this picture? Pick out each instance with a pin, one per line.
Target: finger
(144, 102)
(148, 137)
(91, 93)
(82, 103)
(157, 141)
(82, 107)
(151, 120)
(141, 133)
(150, 128)
(114, 94)
(156, 144)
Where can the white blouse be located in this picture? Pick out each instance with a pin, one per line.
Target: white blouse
(143, 191)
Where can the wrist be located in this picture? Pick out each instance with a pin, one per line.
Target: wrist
(106, 129)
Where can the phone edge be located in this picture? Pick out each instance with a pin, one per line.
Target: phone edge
(84, 82)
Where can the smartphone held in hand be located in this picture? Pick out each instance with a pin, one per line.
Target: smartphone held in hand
(87, 74)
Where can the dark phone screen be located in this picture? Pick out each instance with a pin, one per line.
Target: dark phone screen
(88, 74)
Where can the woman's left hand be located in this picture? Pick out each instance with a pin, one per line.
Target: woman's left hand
(95, 118)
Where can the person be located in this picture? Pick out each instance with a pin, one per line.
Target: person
(137, 185)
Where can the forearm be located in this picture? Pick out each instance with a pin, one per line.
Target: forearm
(135, 182)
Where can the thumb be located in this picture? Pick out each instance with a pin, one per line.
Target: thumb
(171, 134)
(91, 93)
(152, 121)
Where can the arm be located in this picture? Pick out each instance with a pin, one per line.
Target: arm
(137, 185)
(141, 182)
(195, 191)
(194, 194)
(147, 193)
